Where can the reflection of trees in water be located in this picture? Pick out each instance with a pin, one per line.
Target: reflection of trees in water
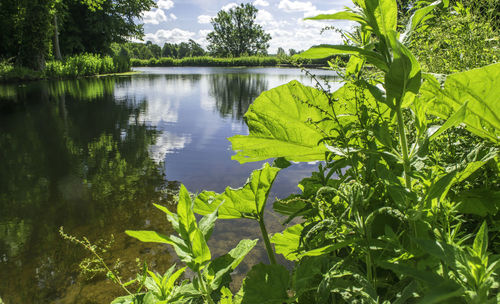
(70, 156)
(234, 93)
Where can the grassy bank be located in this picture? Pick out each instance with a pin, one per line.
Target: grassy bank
(208, 61)
(71, 67)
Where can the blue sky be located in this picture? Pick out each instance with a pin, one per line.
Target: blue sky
(180, 20)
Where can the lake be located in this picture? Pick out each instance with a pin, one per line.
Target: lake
(93, 154)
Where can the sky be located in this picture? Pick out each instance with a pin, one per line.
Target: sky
(176, 21)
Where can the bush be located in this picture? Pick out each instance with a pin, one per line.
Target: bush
(54, 69)
(207, 61)
(75, 66)
(9, 72)
(121, 61)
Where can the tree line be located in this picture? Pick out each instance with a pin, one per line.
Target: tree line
(35, 30)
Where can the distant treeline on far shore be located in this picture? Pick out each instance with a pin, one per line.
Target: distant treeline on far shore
(221, 62)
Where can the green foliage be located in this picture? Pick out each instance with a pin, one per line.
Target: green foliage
(236, 33)
(477, 89)
(29, 27)
(191, 247)
(389, 227)
(248, 201)
(72, 67)
(464, 38)
(389, 217)
(267, 284)
(208, 61)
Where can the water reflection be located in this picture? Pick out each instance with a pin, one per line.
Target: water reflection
(233, 93)
(94, 154)
(71, 155)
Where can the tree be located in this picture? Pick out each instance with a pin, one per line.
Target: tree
(169, 50)
(183, 50)
(35, 32)
(87, 29)
(281, 52)
(236, 33)
(196, 49)
(30, 28)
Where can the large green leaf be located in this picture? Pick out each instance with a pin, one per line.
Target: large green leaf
(287, 243)
(441, 292)
(245, 202)
(265, 284)
(480, 88)
(222, 265)
(280, 125)
(481, 202)
(404, 72)
(326, 50)
(382, 15)
(149, 236)
(418, 17)
(344, 15)
(291, 121)
(189, 230)
(480, 245)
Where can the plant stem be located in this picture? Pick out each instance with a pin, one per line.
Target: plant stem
(404, 147)
(206, 295)
(269, 249)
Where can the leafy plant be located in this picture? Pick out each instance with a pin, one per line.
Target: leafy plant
(191, 247)
(388, 217)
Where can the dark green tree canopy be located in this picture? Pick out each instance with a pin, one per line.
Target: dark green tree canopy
(28, 27)
(236, 33)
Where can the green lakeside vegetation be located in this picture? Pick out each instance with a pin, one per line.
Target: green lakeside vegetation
(405, 204)
(49, 39)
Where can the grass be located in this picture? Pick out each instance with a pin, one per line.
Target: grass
(71, 67)
(207, 61)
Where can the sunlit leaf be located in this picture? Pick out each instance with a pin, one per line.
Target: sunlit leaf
(287, 242)
(265, 284)
(245, 202)
(404, 74)
(480, 245)
(382, 15)
(149, 236)
(344, 15)
(441, 292)
(454, 120)
(481, 202)
(222, 265)
(418, 17)
(280, 125)
(326, 50)
(292, 120)
(480, 88)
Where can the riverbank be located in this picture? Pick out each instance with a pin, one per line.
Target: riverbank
(207, 61)
(72, 67)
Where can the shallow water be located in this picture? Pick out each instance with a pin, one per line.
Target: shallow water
(93, 154)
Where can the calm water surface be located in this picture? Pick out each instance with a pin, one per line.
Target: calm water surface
(92, 155)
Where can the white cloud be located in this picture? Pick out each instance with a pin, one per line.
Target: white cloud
(172, 16)
(261, 3)
(204, 19)
(295, 6)
(175, 35)
(154, 17)
(229, 6)
(314, 12)
(165, 4)
(264, 17)
(202, 38)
